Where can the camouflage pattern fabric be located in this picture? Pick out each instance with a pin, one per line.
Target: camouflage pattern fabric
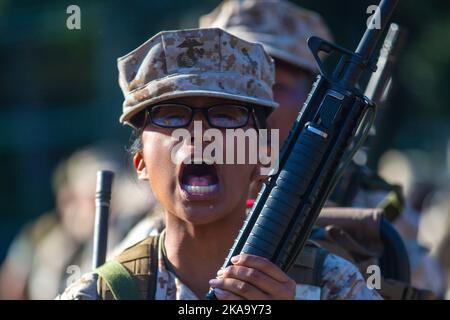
(280, 26)
(340, 281)
(195, 62)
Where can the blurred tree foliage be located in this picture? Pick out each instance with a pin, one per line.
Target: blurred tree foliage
(58, 87)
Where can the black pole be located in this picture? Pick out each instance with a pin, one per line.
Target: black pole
(102, 202)
(369, 41)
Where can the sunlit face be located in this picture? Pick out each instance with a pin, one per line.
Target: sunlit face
(291, 88)
(196, 193)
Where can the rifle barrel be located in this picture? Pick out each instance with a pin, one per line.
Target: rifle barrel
(102, 203)
(379, 80)
(369, 41)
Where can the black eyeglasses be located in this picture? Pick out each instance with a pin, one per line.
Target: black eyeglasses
(174, 115)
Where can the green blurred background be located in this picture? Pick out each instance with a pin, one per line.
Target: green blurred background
(59, 91)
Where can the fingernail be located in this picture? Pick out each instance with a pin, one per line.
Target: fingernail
(235, 259)
(220, 272)
(213, 282)
(219, 293)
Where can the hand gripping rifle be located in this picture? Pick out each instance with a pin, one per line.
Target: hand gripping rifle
(334, 122)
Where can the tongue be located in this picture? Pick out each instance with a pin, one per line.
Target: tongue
(205, 180)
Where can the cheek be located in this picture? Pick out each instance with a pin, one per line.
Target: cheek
(291, 102)
(282, 119)
(284, 99)
(161, 170)
(155, 143)
(291, 99)
(237, 180)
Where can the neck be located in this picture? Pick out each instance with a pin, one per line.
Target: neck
(196, 252)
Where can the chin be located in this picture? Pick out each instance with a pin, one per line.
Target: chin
(202, 213)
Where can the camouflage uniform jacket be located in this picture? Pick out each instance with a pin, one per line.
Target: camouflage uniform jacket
(340, 280)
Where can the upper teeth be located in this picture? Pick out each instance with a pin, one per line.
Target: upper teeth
(200, 189)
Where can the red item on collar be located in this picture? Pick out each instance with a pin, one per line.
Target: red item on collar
(250, 202)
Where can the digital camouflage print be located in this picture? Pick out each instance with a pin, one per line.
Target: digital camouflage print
(340, 280)
(200, 62)
(280, 26)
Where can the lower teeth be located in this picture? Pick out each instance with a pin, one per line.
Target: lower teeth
(197, 190)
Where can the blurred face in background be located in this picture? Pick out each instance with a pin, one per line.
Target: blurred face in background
(76, 207)
(291, 88)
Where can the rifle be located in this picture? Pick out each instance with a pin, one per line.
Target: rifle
(379, 84)
(102, 202)
(358, 174)
(334, 122)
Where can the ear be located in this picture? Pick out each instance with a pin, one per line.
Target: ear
(139, 165)
(256, 182)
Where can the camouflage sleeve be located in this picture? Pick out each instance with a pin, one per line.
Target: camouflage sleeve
(341, 280)
(84, 288)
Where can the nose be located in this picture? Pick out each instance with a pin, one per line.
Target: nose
(199, 115)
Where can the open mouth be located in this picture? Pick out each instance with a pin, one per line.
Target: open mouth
(199, 180)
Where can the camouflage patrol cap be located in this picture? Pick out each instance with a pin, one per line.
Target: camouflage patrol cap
(280, 26)
(195, 62)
